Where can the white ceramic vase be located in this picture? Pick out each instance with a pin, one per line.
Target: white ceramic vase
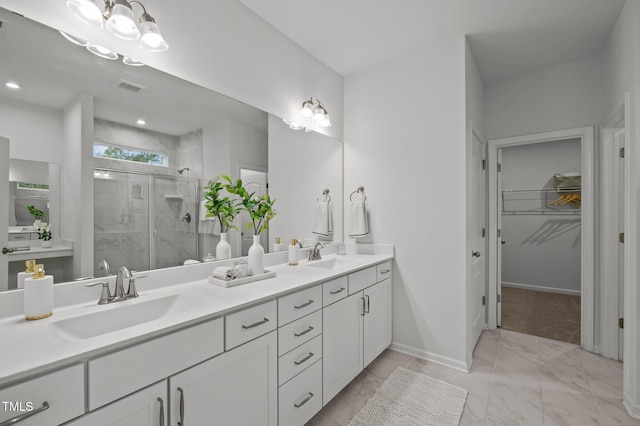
(47, 244)
(256, 257)
(223, 249)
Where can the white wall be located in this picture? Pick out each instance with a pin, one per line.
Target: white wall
(297, 184)
(249, 146)
(557, 98)
(35, 132)
(241, 56)
(474, 92)
(542, 252)
(405, 143)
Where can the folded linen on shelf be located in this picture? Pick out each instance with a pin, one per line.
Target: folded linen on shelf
(225, 273)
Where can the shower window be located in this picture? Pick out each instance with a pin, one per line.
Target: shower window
(129, 154)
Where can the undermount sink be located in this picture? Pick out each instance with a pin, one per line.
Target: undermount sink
(125, 314)
(333, 263)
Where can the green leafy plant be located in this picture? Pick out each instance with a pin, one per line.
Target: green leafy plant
(218, 206)
(44, 231)
(36, 213)
(259, 208)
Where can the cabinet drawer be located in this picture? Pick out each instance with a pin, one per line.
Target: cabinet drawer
(299, 359)
(362, 279)
(301, 398)
(299, 304)
(251, 323)
(121, 373)
(19, 237)
(63, 392)
(383, 271)
(298, 332)
(334, 290)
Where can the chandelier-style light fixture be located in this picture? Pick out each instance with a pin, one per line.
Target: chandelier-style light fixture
(118, 18)
(314, 109)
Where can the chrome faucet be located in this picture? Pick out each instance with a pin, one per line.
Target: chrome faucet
(104, 266)
(123, 273)
(120, 294)
(314, 254)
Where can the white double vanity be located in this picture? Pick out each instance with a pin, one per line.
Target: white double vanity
(186, 352)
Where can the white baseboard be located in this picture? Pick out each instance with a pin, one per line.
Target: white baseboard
(633, 408)
(541, 288)
(429, 356)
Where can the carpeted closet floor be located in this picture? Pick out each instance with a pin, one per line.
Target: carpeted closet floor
(551, 315)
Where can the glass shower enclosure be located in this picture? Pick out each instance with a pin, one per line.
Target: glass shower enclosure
(144, 221)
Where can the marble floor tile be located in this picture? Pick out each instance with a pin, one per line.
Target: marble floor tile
(613, 413)
(319, 420)
(604, 375)
(562, 408)
(388, 361)
(352, 398)
(513, 405)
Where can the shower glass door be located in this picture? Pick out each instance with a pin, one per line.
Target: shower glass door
(174, 219)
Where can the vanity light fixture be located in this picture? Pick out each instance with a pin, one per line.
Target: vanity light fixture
(120, 21)
(74, 40)
(132, 62)
(293, 124)
(12, 85)
(314, 109)
(103, 52)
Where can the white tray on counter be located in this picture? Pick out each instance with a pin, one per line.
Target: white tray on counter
(239, 281)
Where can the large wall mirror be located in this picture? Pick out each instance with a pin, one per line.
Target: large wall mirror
(148, 214)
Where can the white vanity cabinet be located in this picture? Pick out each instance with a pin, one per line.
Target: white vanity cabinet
(147, 407)
(238, 387)
(356, 329)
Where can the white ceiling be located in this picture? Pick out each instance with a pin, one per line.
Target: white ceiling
(507, 37)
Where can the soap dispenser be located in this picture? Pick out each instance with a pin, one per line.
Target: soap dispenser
(277, 246)
(38, 295)
(293, 252)
(28, 272)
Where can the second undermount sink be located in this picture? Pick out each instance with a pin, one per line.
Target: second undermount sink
(332, 263)
(125, 314)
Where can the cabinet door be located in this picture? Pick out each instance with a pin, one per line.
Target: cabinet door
(239, 387)
(377, 320)
(147, 407)
(342, 344)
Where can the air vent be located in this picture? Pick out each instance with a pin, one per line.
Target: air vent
(128, 86)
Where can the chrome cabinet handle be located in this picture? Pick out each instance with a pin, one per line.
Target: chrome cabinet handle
(255, 324)
(161, 412)
(385, 271)
(362, 312)
(368, 304)
(302, 333)
(305, 359)
(11, 250)
(181, 421)
(304, 304)
(45, 406)
(340, 290)
(304, 401)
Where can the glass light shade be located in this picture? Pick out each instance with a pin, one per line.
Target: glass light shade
(74, 40)
(151, 38)
(103, 52)
(326, 122)
(319, 114)
(88, 11)
(307, 109)
(132, 62)
(121, 22)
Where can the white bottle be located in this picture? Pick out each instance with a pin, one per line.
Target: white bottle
(293, 252)
(38, 295)
(277, 246)
(28, 272)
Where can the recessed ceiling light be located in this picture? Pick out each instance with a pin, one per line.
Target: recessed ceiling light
(141, 122)
(12, 85)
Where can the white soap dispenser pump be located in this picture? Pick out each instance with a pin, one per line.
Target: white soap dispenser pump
(28, 272)
(293, 252)
(38, 295)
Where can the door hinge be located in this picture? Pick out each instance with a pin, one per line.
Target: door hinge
(499, 233)
(621, 237)
(484, 164)
(499, 298)
(622, 152)
(499, 167)
(484, 300)
(621, 322)
(484, 232)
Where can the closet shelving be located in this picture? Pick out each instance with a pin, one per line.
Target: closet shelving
(565, 201)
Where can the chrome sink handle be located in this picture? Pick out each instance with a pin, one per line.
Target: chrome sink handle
(132, 291)
(314, 254)
(105, 296)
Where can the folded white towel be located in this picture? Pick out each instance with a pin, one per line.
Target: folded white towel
(207, 225)
(226, 273)
(324, 220)
(359, 226)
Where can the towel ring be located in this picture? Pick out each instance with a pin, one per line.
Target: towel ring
(359, 190)
(325, 193)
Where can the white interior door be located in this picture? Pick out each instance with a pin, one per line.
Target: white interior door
(4, 212)
(478, 253)
(620, 138)
(500, 243)
(256, 182)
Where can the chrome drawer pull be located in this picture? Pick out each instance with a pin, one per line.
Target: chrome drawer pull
(255, 324)
(45, 406)
(368, 304)
(385, 271)
(304, 304)
(161, 412)
(304, 401)
(362, 312)
(340, 290)
(302, 333)
(181, 422)
(303, 360)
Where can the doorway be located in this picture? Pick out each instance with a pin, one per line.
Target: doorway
(586, 223)
(255, 181)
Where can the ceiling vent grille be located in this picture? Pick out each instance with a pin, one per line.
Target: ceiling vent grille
(128, 86)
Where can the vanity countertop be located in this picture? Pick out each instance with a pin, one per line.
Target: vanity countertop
(32, 347)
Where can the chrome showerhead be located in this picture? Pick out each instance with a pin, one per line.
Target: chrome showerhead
(181, 171)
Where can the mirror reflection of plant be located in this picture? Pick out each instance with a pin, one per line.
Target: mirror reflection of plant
(36, 212)
(259, 208)
(44, 231)
(223, 208)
